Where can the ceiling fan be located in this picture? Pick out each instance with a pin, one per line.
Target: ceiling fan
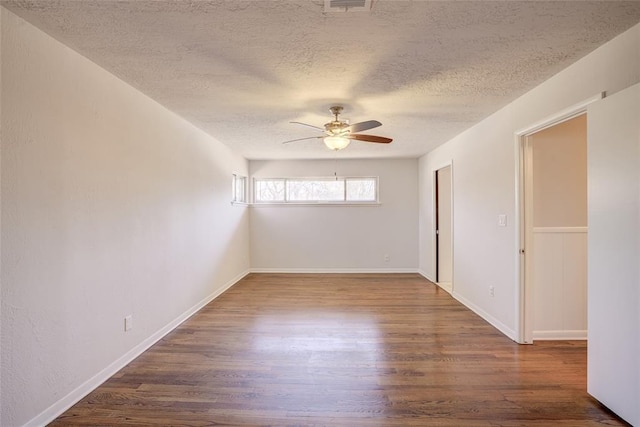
(339, 133)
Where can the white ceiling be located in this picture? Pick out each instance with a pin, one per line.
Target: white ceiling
(241, 70)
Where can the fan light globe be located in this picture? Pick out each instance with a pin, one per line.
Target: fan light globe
(336, 142)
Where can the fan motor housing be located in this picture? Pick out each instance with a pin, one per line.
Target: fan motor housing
(336, 128)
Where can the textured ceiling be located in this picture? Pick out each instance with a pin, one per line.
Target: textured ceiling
(241, 70)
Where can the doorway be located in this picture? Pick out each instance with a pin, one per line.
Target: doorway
(444, 228)
(554, 231)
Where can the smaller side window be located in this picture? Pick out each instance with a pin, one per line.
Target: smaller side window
(239, 189)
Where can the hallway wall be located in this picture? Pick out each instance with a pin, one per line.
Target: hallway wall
(111, 206)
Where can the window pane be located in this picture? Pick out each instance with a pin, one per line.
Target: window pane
(269, 190)
(239, 188)
(316, 190)
(361, 190)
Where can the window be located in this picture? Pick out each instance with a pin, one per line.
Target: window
(269, 190)
(325, 190)
(239, 189)
(316, 190)
(362, 190)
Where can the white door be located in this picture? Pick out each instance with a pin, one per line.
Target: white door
(444, 231)
(613, 150)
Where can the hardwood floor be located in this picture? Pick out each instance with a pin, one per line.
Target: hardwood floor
(344, 350)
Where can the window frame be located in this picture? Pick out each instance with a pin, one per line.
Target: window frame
(237, 178)
(343, 202)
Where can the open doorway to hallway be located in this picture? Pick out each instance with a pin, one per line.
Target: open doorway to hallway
(555, 224)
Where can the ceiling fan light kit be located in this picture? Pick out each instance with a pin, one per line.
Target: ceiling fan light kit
(336, 142)
(339, 133)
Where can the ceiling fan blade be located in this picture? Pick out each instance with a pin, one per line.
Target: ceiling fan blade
(305, 124)
(302, 139)
(370, 138)
(359, 127)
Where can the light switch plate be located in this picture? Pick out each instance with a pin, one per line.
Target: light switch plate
(128, 323)
(502, 220)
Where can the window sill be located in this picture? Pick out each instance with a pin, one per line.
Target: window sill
(269, 204)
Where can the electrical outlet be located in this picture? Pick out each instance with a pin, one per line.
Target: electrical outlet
(128, 322)
(387, 258)
(492, 291)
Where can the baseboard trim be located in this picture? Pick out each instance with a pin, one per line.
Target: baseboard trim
(425, 275)
(560, 335)
(333, 270)
(486, 316)
(445, 286)
(59, 407)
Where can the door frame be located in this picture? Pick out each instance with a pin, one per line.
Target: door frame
(523, 199)
(434, 260)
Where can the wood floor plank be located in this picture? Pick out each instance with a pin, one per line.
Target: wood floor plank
(344, 350)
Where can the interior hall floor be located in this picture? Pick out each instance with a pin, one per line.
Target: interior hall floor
(344, 350)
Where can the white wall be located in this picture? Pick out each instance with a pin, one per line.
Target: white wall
(560, 174)
(111, 206)
(339, 238)
(484, 178)
(614, 253)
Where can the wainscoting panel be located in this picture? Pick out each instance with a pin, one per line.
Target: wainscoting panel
(560, 283)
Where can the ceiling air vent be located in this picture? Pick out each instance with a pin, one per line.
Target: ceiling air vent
(347, 5)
